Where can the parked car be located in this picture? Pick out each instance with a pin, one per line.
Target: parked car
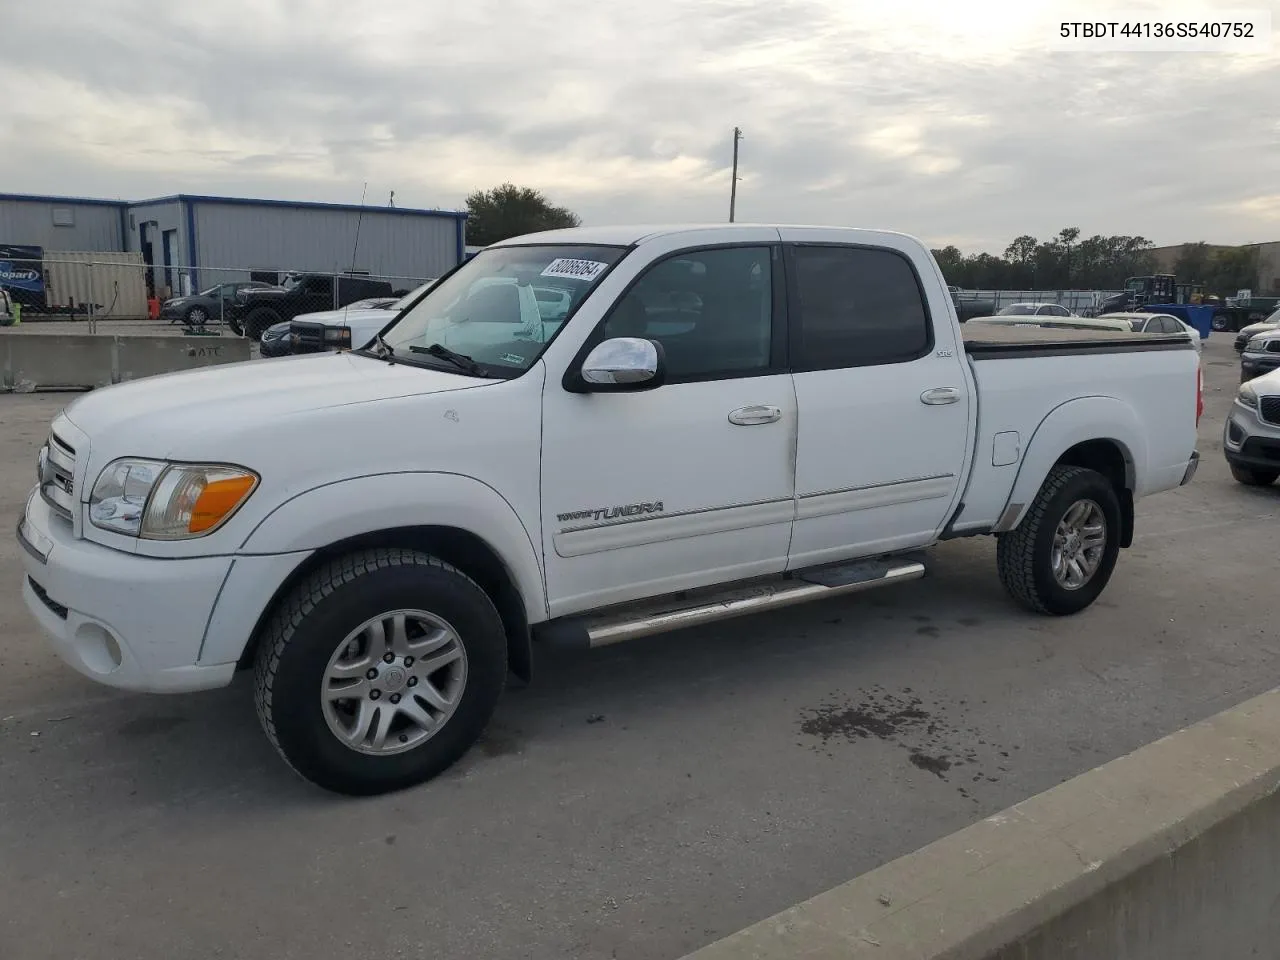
(207, 305)
(275, 340)
(1157, 323)
(1260, 355)
(967, 309)
(500, 478)
(351, 326)
(1053, 321)
(1034, 310)
(1251, 436)
(1263, 326)
(254, 310)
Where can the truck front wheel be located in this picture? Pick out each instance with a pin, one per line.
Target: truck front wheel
(379, 671)
(1059, 559)
(258, 321)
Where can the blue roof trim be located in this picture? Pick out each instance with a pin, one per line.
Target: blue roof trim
(302, 205)
(45, 198)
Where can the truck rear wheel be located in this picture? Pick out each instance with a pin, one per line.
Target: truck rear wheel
(1059, 559)
(380, 671)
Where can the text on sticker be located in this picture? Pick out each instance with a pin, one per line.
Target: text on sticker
(574, 269)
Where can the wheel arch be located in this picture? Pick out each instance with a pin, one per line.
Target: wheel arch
(1098, 433)
(457, 519)
(455, 546)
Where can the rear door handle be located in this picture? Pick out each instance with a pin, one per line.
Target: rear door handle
(940, 395)
(758, 413)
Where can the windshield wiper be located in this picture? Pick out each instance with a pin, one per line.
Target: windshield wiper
(459, 360)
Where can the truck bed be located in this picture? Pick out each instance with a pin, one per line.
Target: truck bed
(996, 341)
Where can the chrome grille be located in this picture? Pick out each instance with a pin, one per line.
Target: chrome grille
(57, 472)
(1269, 410)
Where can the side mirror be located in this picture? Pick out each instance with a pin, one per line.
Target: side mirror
(622, 364)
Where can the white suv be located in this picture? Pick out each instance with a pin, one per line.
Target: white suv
(1251, 439)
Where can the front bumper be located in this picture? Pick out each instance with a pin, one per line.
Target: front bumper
(126, 621)
(1248, 441)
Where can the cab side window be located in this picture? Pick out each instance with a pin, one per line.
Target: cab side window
(857, 306)
(712, 311)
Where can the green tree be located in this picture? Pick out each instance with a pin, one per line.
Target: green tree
(1066, 237)
(1192, 265)
(1022, 253)
(510, 211)
(1232, 269)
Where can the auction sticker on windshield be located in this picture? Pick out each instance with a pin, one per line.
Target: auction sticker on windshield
(575, 269)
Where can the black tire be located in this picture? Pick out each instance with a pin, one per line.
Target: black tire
(258, 320)
(235, 326)
(311, 624)
(1219, 322)
(1254, 478)
(197, 317)
(1024, 554)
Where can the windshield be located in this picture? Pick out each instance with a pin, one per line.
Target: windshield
(409, 297)
(1134, 283)
(501, 308)
(1018, 310)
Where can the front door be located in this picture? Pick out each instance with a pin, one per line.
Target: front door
(883, 397)
(689, 484)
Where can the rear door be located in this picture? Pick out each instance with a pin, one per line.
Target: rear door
(883, 397)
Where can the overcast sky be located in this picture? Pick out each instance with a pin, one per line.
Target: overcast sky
(955, 121)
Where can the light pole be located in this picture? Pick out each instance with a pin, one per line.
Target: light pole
(733, 187)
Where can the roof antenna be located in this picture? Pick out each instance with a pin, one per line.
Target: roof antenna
(356, 245)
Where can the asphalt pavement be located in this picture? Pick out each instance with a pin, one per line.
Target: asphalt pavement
(635, 802)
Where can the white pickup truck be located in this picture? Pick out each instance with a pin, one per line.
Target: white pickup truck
(726, 419)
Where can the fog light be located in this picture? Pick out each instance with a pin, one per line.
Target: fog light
(99, 650)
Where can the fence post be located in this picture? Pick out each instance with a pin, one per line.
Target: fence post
(92, 302)
(335, 292)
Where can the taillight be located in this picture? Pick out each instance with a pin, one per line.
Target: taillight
(1199, 392)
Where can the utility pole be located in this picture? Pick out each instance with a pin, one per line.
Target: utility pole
(733, 188)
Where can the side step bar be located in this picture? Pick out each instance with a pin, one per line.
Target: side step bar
(661, 616)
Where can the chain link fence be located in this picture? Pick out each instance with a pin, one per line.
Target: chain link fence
(1084, 303)
(104, 287)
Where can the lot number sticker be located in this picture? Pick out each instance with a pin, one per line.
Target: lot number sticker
(574, 269)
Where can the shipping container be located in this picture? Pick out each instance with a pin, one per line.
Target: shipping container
(108, 286)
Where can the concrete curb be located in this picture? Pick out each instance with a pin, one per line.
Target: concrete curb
(989, 889)
(80, 361)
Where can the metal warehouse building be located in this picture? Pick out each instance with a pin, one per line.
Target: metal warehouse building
(191, 241)
(221, 238)
(62, 223)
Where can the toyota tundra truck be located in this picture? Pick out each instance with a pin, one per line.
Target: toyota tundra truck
(724, 420)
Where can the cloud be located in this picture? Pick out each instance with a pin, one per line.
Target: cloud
(954, 122)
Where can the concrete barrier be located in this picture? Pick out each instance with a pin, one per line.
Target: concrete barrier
(81, 361)
(1169, 853)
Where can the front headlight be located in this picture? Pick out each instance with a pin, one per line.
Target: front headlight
(156, 500)
(339, 336)
(1257, 346)
(1248, 396)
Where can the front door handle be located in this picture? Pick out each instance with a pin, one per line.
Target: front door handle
(940, 395)
(757, 413)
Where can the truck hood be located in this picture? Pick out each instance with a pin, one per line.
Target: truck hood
(171, 411)
(339, 318)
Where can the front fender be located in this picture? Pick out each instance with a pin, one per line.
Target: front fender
(350, 508)
(1076, 421)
